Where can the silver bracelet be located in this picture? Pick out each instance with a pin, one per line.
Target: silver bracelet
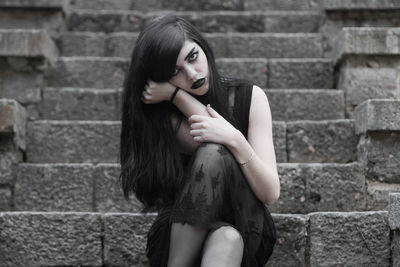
(250, 158)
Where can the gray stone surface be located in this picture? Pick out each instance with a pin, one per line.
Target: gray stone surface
(49, 19)
(254, 70)
(381, 153)
(350, 239)
(102, 4)
(369, 41)
(275, 45)
(360, 4)
(83, 44)
(108, 194)
(320, 187)
(394, 211)
(125, 238)
(363, 83)
(104, 21)
(73, 141)
(78, 72)
(290, 105)
(321, 141)
(27, 43)
(9, 158)
(377, 115)
(292, 21)
(378, 194)
(13, 119)
(290, 248)
(120, 44)
(21, 78)
(59, 4)
(54, 187)
(5, 198)
(279, 137)
(50, 239)
(280, 5)
(300, 73)
(79, 104)
(396, 249)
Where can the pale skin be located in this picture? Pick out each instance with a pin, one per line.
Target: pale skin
(204, 124)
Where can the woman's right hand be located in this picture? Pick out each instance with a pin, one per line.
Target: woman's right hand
(157, 92)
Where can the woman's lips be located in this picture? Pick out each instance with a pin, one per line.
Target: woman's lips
(198, 83)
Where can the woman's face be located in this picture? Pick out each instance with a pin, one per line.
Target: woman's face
(191, 71)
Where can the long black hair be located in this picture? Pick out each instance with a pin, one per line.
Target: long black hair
(151, 166)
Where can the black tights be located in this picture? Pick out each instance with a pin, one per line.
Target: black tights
(205, 203)
(222, 247)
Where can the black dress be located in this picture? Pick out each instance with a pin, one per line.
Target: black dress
(216, 194)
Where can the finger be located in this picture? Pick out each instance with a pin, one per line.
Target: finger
(196, 118)
(199, 138)
(196, 132)
(196, 125)
(212, 112)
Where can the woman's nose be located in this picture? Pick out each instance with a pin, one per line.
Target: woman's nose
(192, 73)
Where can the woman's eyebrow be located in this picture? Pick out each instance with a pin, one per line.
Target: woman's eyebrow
(191, 51)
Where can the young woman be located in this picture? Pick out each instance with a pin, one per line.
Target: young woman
(198, 149)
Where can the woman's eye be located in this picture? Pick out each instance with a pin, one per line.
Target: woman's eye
(193, 56)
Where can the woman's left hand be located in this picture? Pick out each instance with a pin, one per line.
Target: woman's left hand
(214, 129)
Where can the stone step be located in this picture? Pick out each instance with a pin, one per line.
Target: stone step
(272, 73)
(98, 141)
(119, 239)
(26, 43)
(203, 5)
(247, 45)
(86, 187)
(360, 4)
(44, 4)
(103, 104)
(211, 21)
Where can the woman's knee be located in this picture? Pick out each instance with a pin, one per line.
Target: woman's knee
(229, 235)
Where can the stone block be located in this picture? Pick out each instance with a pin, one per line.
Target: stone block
(360, 4)
(79, 104)
(369, 41)
(363, 83)
(105, 21)
(50, 239)
(279, 138)
(377, 115)
(290, 248)
(291, 105)
(125, 238)
(27, 43)
(321, 141)
(202, 5)
(281, 5)
(54, 187)
(57, 4)
(218, 43)
(394, 211)
(320, 187)
(121, 44)
(13, 119)
(78, 72)
(378, 194)
(73, 141)
(108, 194)
(293, 189)
(102, 4)
(5, 198)
(254, 70)
(10, 156)
(396, 249)
(292, 21)
(83, 44)
(351, 239)
(381, 153)
(275, 45)
(300, 73)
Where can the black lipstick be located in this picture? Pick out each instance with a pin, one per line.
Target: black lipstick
(198, 83)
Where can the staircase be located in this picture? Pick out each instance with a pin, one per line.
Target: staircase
(330, 70)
